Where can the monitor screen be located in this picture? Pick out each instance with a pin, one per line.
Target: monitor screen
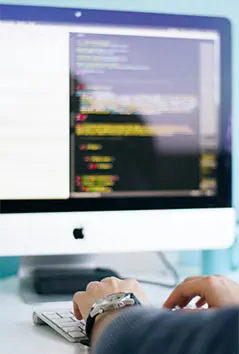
(144, 112)
(114, 113)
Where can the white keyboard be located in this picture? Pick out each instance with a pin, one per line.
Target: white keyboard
(64, 322)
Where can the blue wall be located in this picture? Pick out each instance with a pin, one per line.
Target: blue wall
(229, 9)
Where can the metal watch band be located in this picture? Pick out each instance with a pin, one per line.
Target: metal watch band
(91, 320)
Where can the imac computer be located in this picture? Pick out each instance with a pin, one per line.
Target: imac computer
(113, 132)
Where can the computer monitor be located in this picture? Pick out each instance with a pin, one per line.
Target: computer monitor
(113, 131)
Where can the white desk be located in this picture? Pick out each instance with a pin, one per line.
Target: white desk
(18, 335)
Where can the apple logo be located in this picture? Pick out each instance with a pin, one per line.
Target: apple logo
(78, 233)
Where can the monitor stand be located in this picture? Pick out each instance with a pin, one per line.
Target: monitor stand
(57, 278)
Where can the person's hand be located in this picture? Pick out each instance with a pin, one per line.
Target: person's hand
(95, 291)
(215, 291)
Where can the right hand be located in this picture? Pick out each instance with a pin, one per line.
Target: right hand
(215, 291)
(95, 291)
(83, 301)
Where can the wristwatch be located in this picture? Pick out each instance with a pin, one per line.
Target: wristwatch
(109, 303)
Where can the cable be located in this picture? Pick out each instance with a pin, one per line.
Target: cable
(171, 269)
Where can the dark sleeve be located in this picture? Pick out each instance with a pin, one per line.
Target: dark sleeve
(150, 331)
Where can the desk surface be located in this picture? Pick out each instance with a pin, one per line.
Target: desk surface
(17, 333)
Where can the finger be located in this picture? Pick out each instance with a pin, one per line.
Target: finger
(184, 293)
(77, 312)
(131, 281)
(177, 300)
(201, 302)
(110, 279)
(185, 302)
(111, 282)
(76, 301)
(196, 277)
(92, 285)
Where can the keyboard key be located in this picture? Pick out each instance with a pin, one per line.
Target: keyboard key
(81, 325)
(65, 321)
(76, 334)
(73, 318)
(61, 321)
(69, 325)
(51, 315)
(64, 314)
(70, 329)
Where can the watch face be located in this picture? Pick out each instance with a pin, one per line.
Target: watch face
(117, 296)
(111, 302)
(111, 298)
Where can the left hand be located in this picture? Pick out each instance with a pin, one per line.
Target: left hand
(215, 291)
(95, 291)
